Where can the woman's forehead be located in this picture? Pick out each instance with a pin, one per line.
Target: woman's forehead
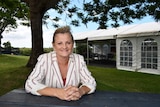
(63, 36)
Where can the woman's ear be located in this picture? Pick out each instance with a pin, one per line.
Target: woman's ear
(53, 46)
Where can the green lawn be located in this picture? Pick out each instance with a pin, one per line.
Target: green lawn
(117, 80)
(13, 74)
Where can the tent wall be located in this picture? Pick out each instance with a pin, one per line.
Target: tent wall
(136, 54)
(135, 33)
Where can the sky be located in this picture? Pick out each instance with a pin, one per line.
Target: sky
(21, 37)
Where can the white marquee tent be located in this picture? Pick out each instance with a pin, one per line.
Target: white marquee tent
(137, 35)
(143, 42)
(152, 28)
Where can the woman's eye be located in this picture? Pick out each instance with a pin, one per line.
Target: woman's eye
(68, 42)
(59, 43)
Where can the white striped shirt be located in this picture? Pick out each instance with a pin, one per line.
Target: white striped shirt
(47, 74)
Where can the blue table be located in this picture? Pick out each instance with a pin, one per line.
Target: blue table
(19, 98)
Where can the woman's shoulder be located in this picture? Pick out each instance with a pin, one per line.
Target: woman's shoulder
(75, 55)
(49, 54)
(78, 55)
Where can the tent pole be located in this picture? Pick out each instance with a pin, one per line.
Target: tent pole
(87, 52)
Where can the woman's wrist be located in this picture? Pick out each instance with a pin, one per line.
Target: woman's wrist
(81, 91)
(84, 90)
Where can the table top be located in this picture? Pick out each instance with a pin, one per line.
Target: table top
(19, 98)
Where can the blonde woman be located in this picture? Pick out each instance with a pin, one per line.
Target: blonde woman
(61, 73)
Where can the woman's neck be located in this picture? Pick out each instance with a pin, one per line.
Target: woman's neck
(63, 60)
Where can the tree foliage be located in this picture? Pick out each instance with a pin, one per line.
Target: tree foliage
(10, 11)
(117, 11)
(7, 45)
(106, 12)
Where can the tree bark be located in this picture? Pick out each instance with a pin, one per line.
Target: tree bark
(0, 44)
(37, 10)
(37, 39)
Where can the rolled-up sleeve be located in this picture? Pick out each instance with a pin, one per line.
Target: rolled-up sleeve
(35, 79)
(86, 78)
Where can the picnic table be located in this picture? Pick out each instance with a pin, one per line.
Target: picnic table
(19, 98)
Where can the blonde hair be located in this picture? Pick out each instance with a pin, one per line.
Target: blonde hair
(64, 29)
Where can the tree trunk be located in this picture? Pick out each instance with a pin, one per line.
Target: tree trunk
(37, 10)
(0, 44)
(37, 39)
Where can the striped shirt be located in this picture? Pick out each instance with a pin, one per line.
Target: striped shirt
(47, 74)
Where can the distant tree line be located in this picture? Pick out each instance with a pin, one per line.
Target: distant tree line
(8, 49)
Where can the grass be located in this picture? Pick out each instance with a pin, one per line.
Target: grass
(117, 80)
(13, 74)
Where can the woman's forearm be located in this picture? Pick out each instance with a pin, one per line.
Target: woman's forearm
(48, 92)
(54, 92)
(84, 90)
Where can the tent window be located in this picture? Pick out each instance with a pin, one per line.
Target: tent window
(126, 53)
(149, 54)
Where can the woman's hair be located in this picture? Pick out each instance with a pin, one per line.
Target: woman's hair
(64, 29)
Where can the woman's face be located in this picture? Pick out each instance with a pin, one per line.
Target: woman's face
(63, 44)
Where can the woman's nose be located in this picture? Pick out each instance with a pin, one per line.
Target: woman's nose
(64, 45)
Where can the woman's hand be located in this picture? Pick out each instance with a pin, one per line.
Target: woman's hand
(54, 92)
(69, 93)
(61, 94)
(73, 93)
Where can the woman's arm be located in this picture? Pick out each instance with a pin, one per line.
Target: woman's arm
(54, 92)
(34, 81)
(87, 80)
(84, 90)
(69, 93)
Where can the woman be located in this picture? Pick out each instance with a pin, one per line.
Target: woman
(61, 73)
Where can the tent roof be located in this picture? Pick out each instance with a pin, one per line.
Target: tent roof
(85, 35)
(110, 33)
(145, 29)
